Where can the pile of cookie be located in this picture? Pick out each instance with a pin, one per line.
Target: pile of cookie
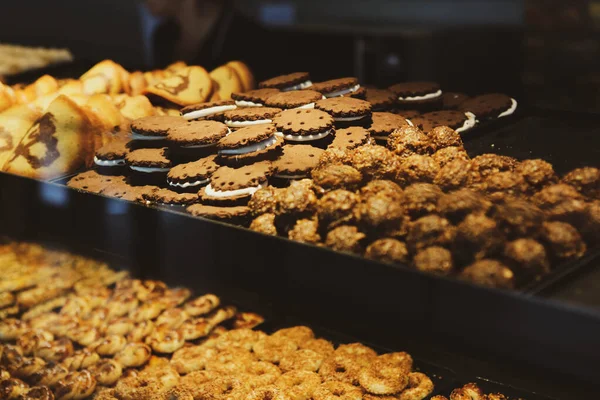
(471, 391)
(112, 337)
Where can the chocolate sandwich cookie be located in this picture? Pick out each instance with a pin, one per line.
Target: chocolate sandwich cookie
(457, 120)
(253, 98)
(235, 186)
(384, 123)
(381, 99)
(249, 145)
(244, 117)
(170, 198)
(337, 87)
(490, 106)
(297, 161)
(191, 176)
(347, 111)
(304, 125)
(418, 95)
(239, 215)
(92, 181)
(361, 93)
(452, 100)
(350, 138)
(205, 110)
(424, 124)
(154, 127)
(289, 82)
(197, 134)
(150, 166)
(303, 99)
(112, 155)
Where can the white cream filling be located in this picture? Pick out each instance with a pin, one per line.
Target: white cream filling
(209, 191)
(469, 123)
(409, 122)
(188, 184)
(428, 96)
(299, 86)
(343, 92)
(511, 110)
(149, 169)
(244, 103)
(198, 146)
(306, 106)
(251, 148)
(208, 111)
(283, 176)
(108, 163)
(348, 119)
(242, 124)
(137, 136)
(279, 134)
(306, 138)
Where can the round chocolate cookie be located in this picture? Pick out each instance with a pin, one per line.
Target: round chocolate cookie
(384, 123)
(191, 176)
(92, 181)
(239, 215)
(452, 100)
(297, 161)
(424, 124)
(361, 93)
(171, 198)
(285, 83)
(457, 120)
(417, 94)
(235, 186)
(154, 127)
(244, 117)
(347, 111)
(204, 110)
(381, 99)
(408, 114)
(124, 191)
(251, 144)
(197, 134)
(149, 160)
(303, 125)
(294, 99)
(490, 106)
(350, 138)
(337, 87)
(253, 98)
(112, 154)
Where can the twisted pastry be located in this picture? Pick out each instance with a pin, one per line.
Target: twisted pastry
(84, 334)
(147, 311)
(11, 329)
(195, 328)
(192, 358)
(37, 393)
(202, 305)
(63, 325)
(80, 359)
(165, 340)
(173, 318)
(120, 326)
(32, 339)
(98, 317)
(134, 355)
(302, 359)
(9, 312)
(121, 305)
(109, 345)
(75, 386)
(140, 331)
(176, 297)
(11, 357)
(12, 388)
(399, 359)
(222, 315)
(383, 379)
(107, 372)
(273, 349)
(247, 320)
(4, 374)
(44, 308)
(29, 367)
(49, 375)
(76, 305)
(56, 350)
(419, 387)
(6, 299)
(237, 338)
(38, 295)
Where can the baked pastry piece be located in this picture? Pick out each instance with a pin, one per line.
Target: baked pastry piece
(14, 124)
(225, 81)
(104, 77)
(187, 86)
(244, 73)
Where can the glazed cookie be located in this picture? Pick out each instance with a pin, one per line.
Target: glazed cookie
(250, 144)
(381, 99)
(155, 127)
(457, 120)
(384, 123)
(337, 87)
(169, 197)
(235, 186)
(297, 161)
(347, 111)
(244, 117)
(204, 110)
(295, 99)
(192, 175)
(289, 82)
(490, 106)
(452, 100)
(417, 94)
(236, 215)
(304, 125)
(253, 98)
(112, 154)
(350, 138)
(197, 134)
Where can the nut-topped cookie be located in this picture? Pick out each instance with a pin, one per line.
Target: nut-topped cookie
(250, 144)
(297, 161)
(303, 125)
(197, 134)
(303, 99)
(204, 110)
(193, 174)
(337, 87)
(285, 83)
(235, 186)
(253, 98)
(249, 116)
(154, 127)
